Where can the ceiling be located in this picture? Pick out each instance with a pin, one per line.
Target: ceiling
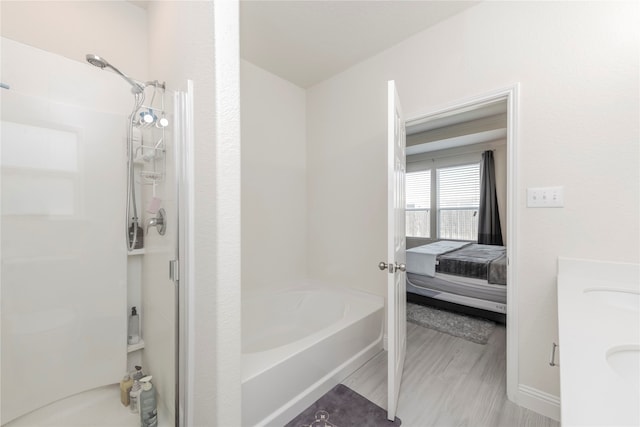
(307, 42)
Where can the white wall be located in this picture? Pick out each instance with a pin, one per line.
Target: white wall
(578, 127)
(115, 30)
(199, 41)
(227, 282)
(274, 204)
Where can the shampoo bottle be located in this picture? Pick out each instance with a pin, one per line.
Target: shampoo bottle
(137, 373)
(147, 403)
(125, 388)
(133, 334)
(134, 397)
(135, 231)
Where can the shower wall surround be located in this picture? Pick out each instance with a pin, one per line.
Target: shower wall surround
(64, 265)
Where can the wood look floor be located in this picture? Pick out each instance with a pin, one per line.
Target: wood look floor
(448, 381)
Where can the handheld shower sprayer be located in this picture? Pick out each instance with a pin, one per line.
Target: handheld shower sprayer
(147, 119)
(97, 61)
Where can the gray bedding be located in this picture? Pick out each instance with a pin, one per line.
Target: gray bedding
(487, 262)
(498, 271)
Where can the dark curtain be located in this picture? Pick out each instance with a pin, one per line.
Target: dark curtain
(489, 232)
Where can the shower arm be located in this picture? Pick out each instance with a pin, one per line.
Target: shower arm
(136, 86)
(156, 83)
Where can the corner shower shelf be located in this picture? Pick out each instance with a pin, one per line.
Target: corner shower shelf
(134, 347)
(136, 252)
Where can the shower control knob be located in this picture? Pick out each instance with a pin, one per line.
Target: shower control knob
(159, 222)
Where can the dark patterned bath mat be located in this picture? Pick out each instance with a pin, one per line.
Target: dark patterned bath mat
(459, 325)
(343, 407)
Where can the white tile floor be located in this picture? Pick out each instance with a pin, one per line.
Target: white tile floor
(99, 407)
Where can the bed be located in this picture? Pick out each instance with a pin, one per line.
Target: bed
(462, 276)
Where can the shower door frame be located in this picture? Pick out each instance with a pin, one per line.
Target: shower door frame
(183, 277)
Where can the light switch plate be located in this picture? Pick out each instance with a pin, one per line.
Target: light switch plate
(545, 197)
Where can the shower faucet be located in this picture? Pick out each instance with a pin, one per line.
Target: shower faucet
(158, 222)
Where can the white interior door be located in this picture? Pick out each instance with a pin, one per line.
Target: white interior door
(396, 245)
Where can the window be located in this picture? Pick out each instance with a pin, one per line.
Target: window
(418, 210)
(453, 193)
(458, 202)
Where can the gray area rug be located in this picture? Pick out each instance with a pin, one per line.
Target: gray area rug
(343, 407)
(470, 328)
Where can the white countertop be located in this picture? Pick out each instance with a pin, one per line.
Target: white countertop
(599, 330)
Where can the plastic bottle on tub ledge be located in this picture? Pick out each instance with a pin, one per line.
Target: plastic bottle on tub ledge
(148, 404)
(125, 389)
(127, 384)
(134, 397)
(137, 373)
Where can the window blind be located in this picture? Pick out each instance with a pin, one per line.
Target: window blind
(418, 200)
(459, 187)
(458, 201)
(418, 190)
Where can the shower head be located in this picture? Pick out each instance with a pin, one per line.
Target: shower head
(99, 62)
(96, 60)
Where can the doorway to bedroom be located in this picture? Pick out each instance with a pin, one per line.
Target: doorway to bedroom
(460, 216)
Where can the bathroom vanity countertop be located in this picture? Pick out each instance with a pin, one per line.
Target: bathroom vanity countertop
(599, 330)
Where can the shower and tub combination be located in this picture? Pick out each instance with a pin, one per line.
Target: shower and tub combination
(68, 132)
(79, 166)
(299, 342)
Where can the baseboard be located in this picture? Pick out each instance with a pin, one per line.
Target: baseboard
(539, 401)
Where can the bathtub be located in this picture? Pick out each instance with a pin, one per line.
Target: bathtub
(300, 342)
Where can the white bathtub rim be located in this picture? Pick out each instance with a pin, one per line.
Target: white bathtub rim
(316, 390)
(254, 364)
(297, 302)
(312, 284)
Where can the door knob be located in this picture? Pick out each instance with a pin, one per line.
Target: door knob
(401, 267)
(383, 265)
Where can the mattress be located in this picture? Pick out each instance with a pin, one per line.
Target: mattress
(472, 274)
(475, 261)
(487, 262)
(423, 259)
(473, 288)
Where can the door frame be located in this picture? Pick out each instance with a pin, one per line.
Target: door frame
(510, 94)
